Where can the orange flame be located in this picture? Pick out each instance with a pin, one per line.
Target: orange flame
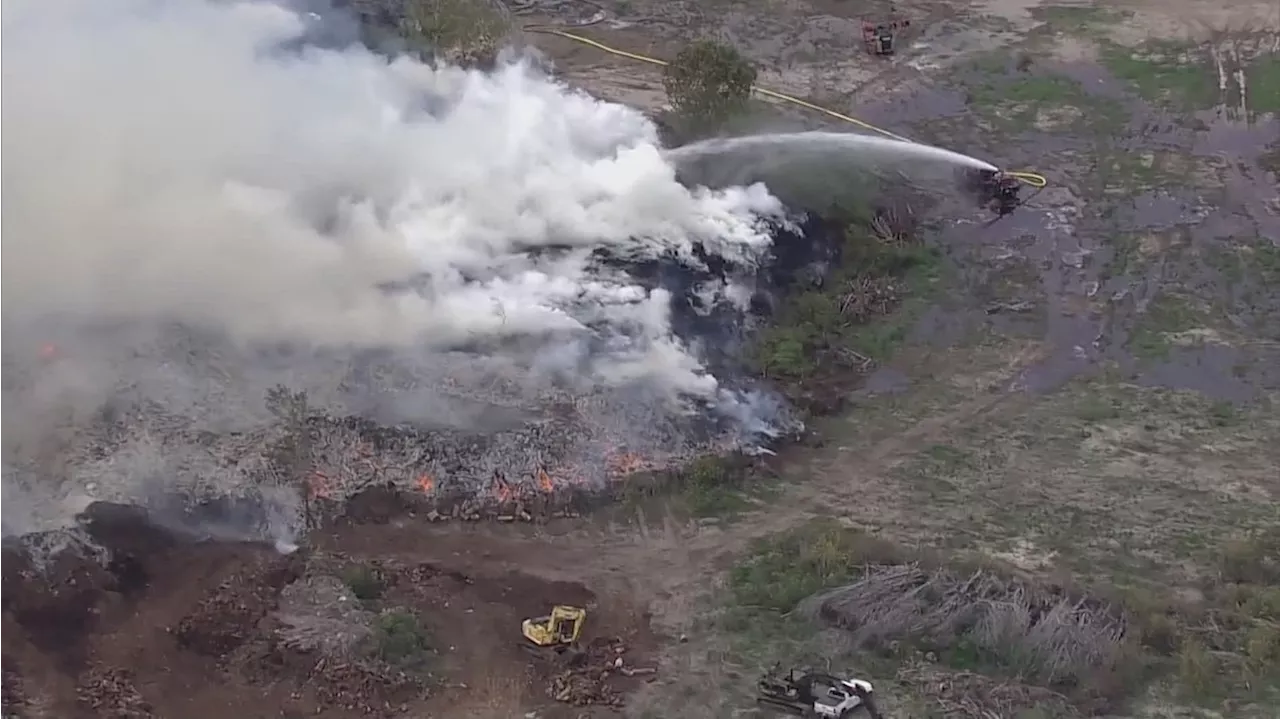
(319, 485)
(501, 490)
(626, 463)
(426, 484)
(544, 481)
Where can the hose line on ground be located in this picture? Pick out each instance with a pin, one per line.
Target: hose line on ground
(1030, 178)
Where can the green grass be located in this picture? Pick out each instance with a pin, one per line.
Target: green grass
(1174, 75)
(712, 487)
(1127, 172)
(1075, 19)
(1167, 314)
(1124, 255)
(812, 328)
(1270, 159)
(1263, 78)
(1093, 409)
(1248, 271)
(783, 570)
(1015, 102)
(1265, 260)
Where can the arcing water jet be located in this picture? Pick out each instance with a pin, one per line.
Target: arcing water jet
(859, 148)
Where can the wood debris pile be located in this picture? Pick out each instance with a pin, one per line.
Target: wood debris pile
(227, 618)
(593, 677)
(968, 695)
(363, 686)
(110, 692)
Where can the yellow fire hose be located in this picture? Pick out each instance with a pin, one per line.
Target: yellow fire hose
(1030, 178)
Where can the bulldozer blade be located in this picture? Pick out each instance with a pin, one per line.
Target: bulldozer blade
(569, 656)
(778, 693)
(535, 651)
(788, 706)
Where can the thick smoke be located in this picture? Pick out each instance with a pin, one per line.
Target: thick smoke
(199, 204)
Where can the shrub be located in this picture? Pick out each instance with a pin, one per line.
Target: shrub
(1197, 669)
(463, 32)
(715, 486)
(981, 617)
(399, 639)
(786, 569)
(708, 84)
(1253, 560)
(364, 582)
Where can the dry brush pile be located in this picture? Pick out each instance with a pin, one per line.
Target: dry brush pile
(300, 464)
(972, 695)
(321, 637)
(1030, 631)
(977, 640)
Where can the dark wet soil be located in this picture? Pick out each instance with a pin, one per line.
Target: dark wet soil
(1148, 207)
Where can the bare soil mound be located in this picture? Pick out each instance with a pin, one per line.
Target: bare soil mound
(134, 622)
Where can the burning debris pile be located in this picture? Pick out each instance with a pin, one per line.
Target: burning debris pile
(495, 335)
(259, 484)
(471, 434)
(536, 471)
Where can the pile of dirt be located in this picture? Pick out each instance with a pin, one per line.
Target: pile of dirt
(357, 685)
(55, 597)
(14, 698)
(58, 585)
(371, 690)
(110, 692)
(161, 625)
(228, 617)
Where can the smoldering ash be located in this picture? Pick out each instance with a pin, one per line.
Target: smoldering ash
(208, 207)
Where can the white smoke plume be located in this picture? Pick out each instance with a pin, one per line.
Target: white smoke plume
(194, 164)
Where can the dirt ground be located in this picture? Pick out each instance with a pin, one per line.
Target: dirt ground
(172, 629)
(1094, 397)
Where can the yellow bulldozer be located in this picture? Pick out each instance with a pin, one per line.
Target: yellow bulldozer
(556, 634)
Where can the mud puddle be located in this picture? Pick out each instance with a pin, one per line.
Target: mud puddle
(1156, 246)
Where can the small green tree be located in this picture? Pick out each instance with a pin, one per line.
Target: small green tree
(399, 640)
(708, 84)
(464, 32)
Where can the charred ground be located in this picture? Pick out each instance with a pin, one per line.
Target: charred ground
(1047, 488)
